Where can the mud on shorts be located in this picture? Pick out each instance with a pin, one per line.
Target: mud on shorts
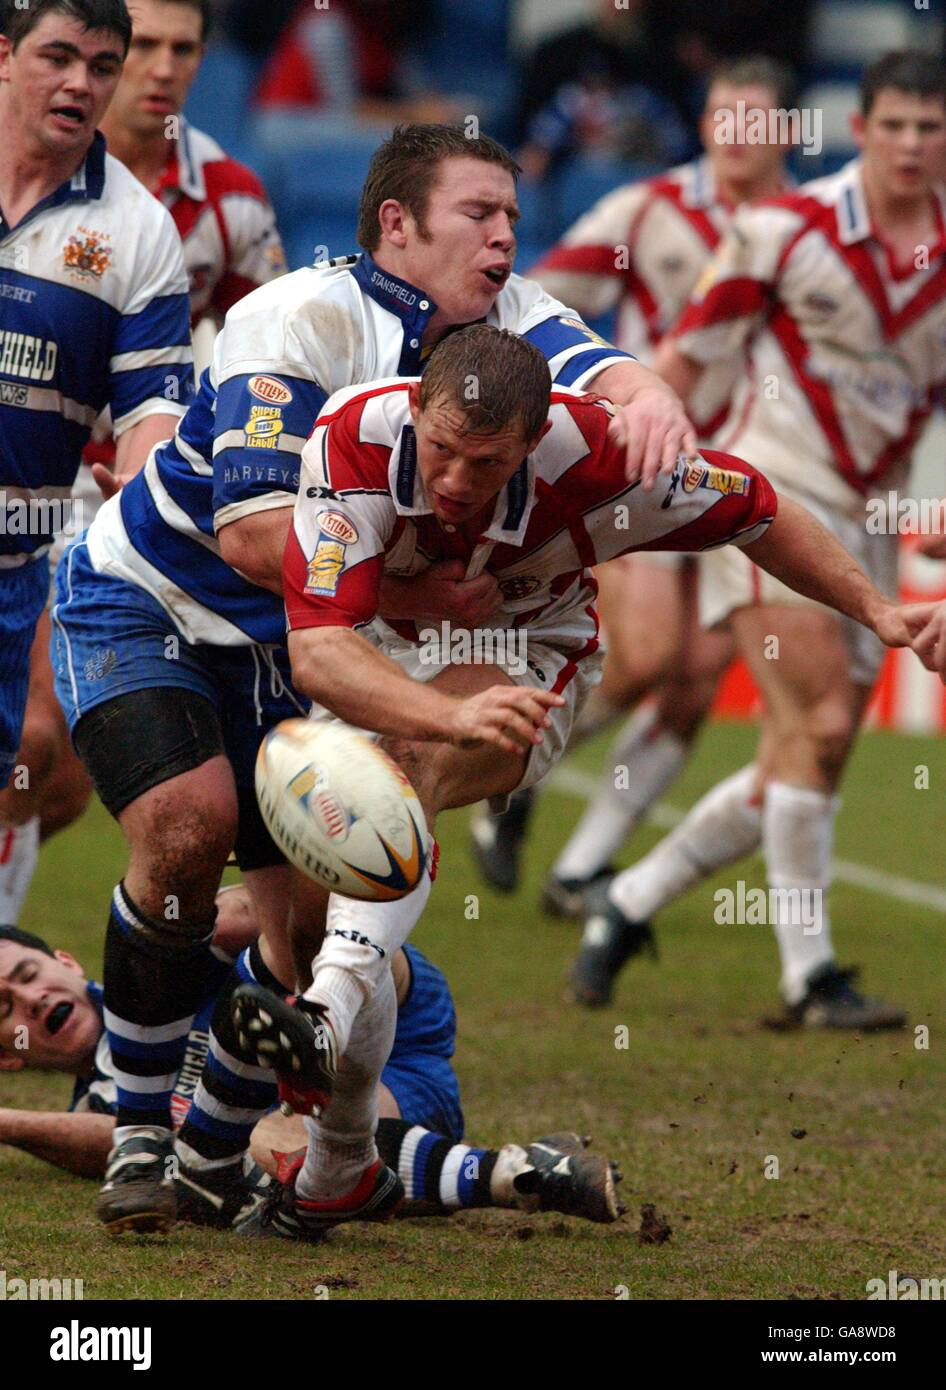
(143, 705)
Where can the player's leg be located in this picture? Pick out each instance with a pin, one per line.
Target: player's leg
(142, 712)
(646, 758)
(641, 602)
(813, 712)
(36, 760)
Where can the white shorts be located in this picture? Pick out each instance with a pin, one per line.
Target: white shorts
(544, 668)
(729, 580)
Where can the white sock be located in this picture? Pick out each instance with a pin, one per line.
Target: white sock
(797, 837)
(724, 825)
(341, 1141)
(361, 940)
(642, 764)
(19, 850)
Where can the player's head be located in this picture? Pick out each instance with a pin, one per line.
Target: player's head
(480, 408)
(167, 44)
(745, 85)
(438, 209)
(60, 61)
(901, 126)
(47, 1019)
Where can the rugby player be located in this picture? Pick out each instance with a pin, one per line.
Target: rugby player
(231, 246)
(837, 294)
(51, 1020)
(179, 579)
(641, 251)
(536, 490)
(94, 314)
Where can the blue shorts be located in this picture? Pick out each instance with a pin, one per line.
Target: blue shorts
(23, 593)
(111, 638)
(419, 1074)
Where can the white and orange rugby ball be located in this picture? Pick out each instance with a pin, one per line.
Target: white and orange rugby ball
(341, 810)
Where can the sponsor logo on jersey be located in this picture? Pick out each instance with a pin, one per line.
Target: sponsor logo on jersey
(324, 569)
(337, 526)
(263, 428)
(588, 332)
(519, 586)
(25, 356)
(821, 305)
(672, 265)
(87, 254)
(102, 661)
(268, 389)
(723, 480)
(13, 394)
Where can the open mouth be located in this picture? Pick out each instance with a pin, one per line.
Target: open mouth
(499, 275)
(58, 1017)
(73, 114)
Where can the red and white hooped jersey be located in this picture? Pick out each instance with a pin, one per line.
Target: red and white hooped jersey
(846, 349)
(642, 249)
(362, 511)
(226, 223)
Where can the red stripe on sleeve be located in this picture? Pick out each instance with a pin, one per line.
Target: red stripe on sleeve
(730, 299)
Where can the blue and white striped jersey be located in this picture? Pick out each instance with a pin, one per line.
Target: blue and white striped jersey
(283, 351)
(94, 311)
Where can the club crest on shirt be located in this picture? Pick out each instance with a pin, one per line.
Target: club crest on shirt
(87, 254)
(519, 586)
(723, 480)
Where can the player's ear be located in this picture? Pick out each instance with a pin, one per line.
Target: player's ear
(9, 1062)
(6, 50)
(413, 399)
(64, 958)
(391, 217)
(534, 443)
(857, 129)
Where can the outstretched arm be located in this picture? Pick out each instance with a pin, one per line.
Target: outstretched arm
(76, 1141)
(803, 554)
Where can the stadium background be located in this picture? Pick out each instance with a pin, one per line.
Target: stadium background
(307, 137)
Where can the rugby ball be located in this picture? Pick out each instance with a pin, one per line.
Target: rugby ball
(341, 810)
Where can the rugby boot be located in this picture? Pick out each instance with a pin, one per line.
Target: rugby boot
(567, 897)
(830, 1001)
(563, 1177)
(497, 840)
(295, 1038)
(608, 941)
(376, 1197)
(138, 1194)
(221, 1197)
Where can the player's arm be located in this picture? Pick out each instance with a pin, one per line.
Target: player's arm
(255, 248)
(151, 368)
(928, 623)
(79, 1142)
(650, 425)
(339, 669)
(803, 554)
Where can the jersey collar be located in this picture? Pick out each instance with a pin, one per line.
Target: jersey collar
(513, 504)
(86, 184)
(854, 222)
(411, 305)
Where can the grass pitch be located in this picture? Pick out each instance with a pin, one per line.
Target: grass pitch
(695, 1107)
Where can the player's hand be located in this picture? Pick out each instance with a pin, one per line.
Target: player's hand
(654, 430)
(442, 593)
(900, 625)
(929, 638)
(106, 481)
(933, 547)
(510, 717)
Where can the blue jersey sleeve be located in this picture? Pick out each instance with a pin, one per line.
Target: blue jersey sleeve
(262, 424)
(575, 353)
